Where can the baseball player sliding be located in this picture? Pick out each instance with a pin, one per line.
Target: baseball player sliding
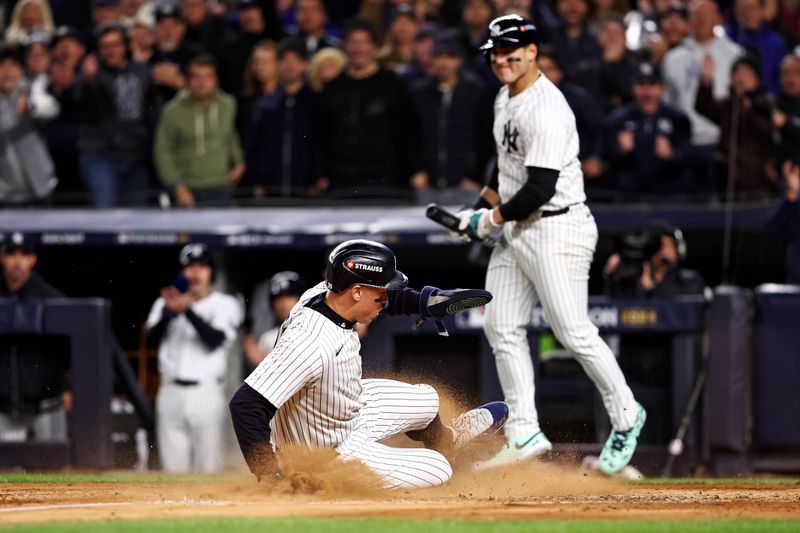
(308, 391)
(548, 240)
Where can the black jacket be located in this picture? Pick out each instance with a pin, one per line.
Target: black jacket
(32, 366)
(589, 119)
(181, 57)
(117, 110)
(278, 150)
(367, 134)
(457, 131)
(788, 137)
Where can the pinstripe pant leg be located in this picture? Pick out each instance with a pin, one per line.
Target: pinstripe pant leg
(561, 250)
(205, 413)
(393, 407)
(172, 432)
(507, 318)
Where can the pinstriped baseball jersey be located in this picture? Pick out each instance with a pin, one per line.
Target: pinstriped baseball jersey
(313, 377)
(536, 128)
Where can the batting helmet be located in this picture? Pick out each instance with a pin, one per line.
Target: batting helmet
(363, 262)
(510, 31)
(286, 283)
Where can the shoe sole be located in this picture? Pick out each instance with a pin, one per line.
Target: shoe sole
(536, 452)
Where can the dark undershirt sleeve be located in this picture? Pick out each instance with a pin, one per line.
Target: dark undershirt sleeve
(251, 414)
(211, 336)
(402, 302)
(534, 193)
(156, 333)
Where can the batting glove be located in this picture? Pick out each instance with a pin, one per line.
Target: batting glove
(436, 303)
(463, 216)
(480, 223)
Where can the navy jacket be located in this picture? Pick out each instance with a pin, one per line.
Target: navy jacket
(640, 170)
(785, 224)
(278, 149)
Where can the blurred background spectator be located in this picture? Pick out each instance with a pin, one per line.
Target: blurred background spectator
(649, 140)
(744, 150)
(314, 27)
(785, 223)
(198, 155)
(673, 29)
(29, 16)
(366, 115)
(204, 30)
(749, 29)
(116, 100)
(455, 111)
(786, 117)
(324, 66)
(682, 68)
(261, 78)
(32, 367)
(612, 82)
(397, 53)
(171, 53)
(278, 148)
(577, 47)
(106, 12)
(26, 170)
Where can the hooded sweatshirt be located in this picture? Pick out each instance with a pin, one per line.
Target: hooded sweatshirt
(196, 144)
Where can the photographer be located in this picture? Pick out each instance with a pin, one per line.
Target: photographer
(647, 265)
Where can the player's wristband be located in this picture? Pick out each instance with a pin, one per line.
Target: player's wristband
(481, 203)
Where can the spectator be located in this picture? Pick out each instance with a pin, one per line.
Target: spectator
(237, 51)
(116, 98)
(193, 326)
(285, 289)
(397, 53)
(648, 140)
(647, 264)
(786, 117)
(475, 18)
(785, 222)
(63, 131)
(261, 78)
(203, 29)
(750, 31)
(325, 66)
(197, 150)
(589, 117)
(682, 67)
(422, 63)
(367, 134)
(139, 12)
(171, 53)
(576, 46)
(29, 16)
(36, 49)
(105, 12)
(142, 41)
(313, 27)
(32, 367)
(279, 147)
(455, 110)
(608, 8)
(673, 29)
(26, 170)
(618, 66)
(751, 140)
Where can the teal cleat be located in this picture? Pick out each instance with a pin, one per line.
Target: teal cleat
(517, 451)
(620, 446)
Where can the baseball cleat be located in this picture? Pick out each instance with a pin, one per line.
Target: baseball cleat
(517, 451)
(487, 419)
(620, 446)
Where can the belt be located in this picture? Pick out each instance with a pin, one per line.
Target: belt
(191, 382)
(545, 214)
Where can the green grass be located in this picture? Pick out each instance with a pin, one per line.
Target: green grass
(114, 477)
(313, 525)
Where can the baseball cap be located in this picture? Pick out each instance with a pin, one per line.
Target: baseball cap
(448, 43)
(286, 283)
(676, 8)
(196, 252)
(165, 11)
(403, 10)
(245, 4)
(18, 241)
(647, 73)
(66, 32)
(294, 44)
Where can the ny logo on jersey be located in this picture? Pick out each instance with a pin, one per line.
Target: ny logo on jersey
(510, 137)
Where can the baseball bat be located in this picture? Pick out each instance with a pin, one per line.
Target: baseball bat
(675, 447)
(447, 219)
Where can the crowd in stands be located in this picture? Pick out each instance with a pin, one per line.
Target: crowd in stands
(211, 102)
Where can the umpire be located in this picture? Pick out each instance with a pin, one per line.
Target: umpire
(194, 326)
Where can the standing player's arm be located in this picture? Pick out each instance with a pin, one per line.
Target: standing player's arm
(157, 322)
(534, 193)
(211, 336)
